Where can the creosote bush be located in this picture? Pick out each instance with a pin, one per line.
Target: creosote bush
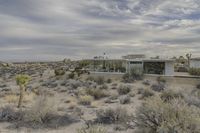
(161, 79)
(158, 87)
(194, 71)
(93, 129)
(96, 93)
(59, 72)
(124, 89)
(125, 99)
(85, 100)
(113, 116)
(135, 73)
(157, 116)
(169, 95)
(146, 93)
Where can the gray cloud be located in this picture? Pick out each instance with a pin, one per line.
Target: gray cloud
(53, 30)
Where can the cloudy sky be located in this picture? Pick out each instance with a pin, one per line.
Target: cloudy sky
(57, 29)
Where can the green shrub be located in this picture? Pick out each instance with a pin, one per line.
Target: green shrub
(115, 115)
(157, 116)
(96, 93)
(125, 99)
(169, 95)
(146, 93)
(194, 71)
(71, 75)
(59, 72)
(124, 89)
(93, 129)
(109, 81)
(100, 80)
(161, 79)
(85, 100)
(135, 73)
(198, 86)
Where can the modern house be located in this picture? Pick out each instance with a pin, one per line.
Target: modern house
(195, 63)
(152, 66)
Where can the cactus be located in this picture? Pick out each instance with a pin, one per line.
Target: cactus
(22, 81)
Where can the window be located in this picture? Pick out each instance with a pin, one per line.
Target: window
(135, 62)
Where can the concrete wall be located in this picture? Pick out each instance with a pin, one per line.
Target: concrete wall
(169, 68)
(195, 64)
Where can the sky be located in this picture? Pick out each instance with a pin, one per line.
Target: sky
(79, 29)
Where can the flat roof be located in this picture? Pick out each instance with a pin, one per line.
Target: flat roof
(197, 58)
(153, 60)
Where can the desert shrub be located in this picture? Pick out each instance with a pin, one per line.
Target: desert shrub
(125, 99)
(124, 89)
(96, 93)
(198, 86)
(194, 71)
(169, 95)
(157, 116)
(85, 100)
(71, 75)
(192, 100)
(110, 116)
(59, 72)
(104, 87)
(90, 78)
(146, 93)
(158, 87)
(127, 78)
(161, 79)
(93, 129)
(109, 81)
(41, 110)
(8, 114)
(100, 80)
(146, 82)
(135, 73)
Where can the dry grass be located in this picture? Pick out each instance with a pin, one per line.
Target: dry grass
(13, 98)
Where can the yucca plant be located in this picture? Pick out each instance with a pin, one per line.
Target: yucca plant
(22, 81)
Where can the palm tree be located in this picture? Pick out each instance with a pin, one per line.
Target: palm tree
(22, 81)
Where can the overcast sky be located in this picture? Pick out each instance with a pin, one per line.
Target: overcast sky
(57, 29)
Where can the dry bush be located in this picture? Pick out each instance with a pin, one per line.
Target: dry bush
(103, 87)
(198, 86)
(194, 71)
(96, 93)
(92, 129)
(100, 80)
(157, 116)
(11, 98)
(170, 94)
(8, 114)
(109, 81)
(110, 116)
(158, 87)
(85, 100)
(146, 82)
(161, 79)
(124, 89)
(125, 99)
(146, 93)
(41, 110)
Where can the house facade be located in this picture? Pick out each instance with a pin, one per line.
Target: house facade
(195, 63)
(152, 66)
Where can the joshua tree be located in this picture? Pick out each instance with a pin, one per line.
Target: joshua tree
(22, 81)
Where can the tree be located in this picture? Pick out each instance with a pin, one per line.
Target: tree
(22, 81)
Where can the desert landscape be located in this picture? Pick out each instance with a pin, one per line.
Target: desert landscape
(58, 98)
(99, 66)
